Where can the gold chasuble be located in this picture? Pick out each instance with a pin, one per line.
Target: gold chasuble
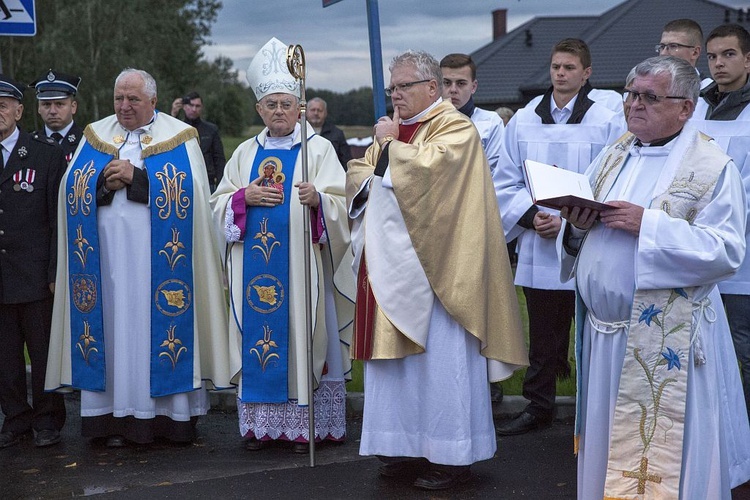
(455, 230)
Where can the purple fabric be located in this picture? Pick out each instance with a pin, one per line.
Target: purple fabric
(240, 211)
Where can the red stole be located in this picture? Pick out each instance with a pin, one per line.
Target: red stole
(364, 312)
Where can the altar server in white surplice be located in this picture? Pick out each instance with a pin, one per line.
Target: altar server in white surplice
(660, 407)
(567, 128)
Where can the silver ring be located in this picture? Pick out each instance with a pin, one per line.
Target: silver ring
(262, 200)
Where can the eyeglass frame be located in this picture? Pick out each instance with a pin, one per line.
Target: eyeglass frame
(647, 98)
(661, 46)
(401, 87)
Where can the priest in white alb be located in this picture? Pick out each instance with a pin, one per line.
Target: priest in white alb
(139, 316)
(660, 406)
(437, 315)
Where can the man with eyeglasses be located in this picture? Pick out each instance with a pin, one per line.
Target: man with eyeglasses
(682, 38)
(563, 127)
(437, 315)
(258, 206)
(660, 408)
(724, 114)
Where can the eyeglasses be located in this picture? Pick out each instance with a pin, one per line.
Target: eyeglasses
(646, 97)
(671, 47)
(401, 87)
(273, 105)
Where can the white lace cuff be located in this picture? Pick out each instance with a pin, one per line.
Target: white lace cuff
(231, 231)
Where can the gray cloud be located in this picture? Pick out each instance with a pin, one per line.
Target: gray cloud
(335, 39)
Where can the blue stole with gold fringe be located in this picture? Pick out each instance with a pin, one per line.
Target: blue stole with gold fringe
(172, 326)
(86, 324)
(172, 318)
(265, 278)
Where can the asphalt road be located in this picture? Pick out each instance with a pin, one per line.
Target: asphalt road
(538, 465)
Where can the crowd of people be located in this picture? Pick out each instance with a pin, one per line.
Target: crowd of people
(142, 269)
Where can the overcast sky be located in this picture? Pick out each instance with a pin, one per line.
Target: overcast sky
(336, 40)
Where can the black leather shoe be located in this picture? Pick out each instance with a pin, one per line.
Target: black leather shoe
(115, 441)
(522, 424)
(407, 468)
(46, 437)
(496, 392)
(10, 438)
(253, 444)
(301, 448)
(442, 477)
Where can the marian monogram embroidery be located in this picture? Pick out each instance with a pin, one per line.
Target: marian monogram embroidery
(173, 196)
(80, 198)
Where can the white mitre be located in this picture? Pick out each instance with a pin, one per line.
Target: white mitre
(268, 72)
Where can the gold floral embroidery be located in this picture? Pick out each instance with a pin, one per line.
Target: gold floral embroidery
(264, 235)
(174, 255)
(172, 343)
(266, 344)
(85, 341)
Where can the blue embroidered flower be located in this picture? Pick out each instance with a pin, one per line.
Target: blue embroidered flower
(648, 314)
(681, 292)
(673, 359)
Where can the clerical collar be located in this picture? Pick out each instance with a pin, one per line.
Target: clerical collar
(658, 142)
(283, 142)
(415, 119)
(468, 108)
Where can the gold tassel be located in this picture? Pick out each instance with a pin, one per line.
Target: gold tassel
(170, 144)
(97, 143)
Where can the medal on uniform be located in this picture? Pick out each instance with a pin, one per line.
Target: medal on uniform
(118, 139)
(17, 181)
(30, 176)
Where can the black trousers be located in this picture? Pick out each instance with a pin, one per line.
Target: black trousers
(550, 317)
(29, 324)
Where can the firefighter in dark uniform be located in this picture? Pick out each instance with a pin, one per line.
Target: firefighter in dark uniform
(56, 93)
(31, 167)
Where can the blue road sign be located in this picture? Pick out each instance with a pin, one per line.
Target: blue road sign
(17, 18)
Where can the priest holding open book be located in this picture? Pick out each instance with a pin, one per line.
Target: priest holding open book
(660, 406)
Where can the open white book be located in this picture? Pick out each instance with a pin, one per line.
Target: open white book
(554, 187)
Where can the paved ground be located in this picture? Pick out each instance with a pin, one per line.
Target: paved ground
(538, 465)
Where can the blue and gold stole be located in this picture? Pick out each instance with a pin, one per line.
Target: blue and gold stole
(265, 278)
(172, 324)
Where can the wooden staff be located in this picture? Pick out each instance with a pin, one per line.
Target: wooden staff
(295, 61)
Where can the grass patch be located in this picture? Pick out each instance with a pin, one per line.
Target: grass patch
(514, 385)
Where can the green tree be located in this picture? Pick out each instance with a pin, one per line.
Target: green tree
(96, 39)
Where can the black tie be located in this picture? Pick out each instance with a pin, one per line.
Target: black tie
(57, 136)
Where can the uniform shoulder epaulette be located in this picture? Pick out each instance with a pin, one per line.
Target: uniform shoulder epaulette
(44, 139)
